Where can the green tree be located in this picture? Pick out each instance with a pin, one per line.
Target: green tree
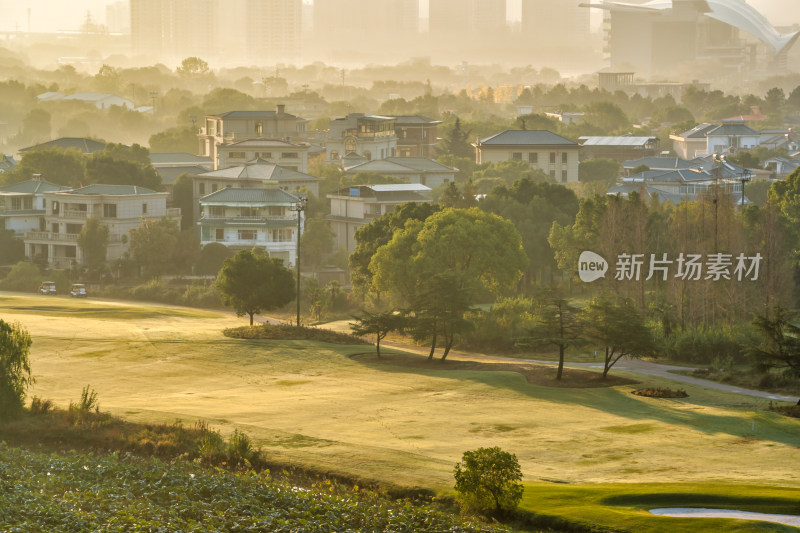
(607, 116)
(605, 170)
(489, 481)
(36, 126)
(178, 139)
(378, 324)
(135, 153)
(12, 249)
(556, 323)
(153, 243)
(110, 171)
(253, 282)
(780, 342)
(93, 240)
(107, 80)
(439, 267)
(15, 368)
(316, 243)
(786, 195)
(182, 198)
(193, 67)
(62, 167)
(455, 142)
(211, 258)
(24, 276)
(618, 327)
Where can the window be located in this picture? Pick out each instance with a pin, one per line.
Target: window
(16, 203)
(552, 158)
(275, 211)
(281, 235)
(110, 210)
(247, 234)
(264, 155)
(349, 146)
(368, 154)
(334, 154)
(564, 158)
(27, 203)
(563, 176)
(213, 187)
(55, 207)
(219, 234)
(74, 229)
(216, 211)
(250, 212)
(289, 155)
(237, 155)
(516, 156)
(71, 252)
(54, 227)
(201, 189)
(144, 209)
(533, 158)
(259, 128)
(553, 173)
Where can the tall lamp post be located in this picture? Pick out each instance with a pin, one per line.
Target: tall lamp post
(300, 206)
(744, 178)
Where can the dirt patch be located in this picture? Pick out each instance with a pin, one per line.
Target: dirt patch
(540, 375)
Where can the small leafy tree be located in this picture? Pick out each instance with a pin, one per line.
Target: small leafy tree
(15, 369)
(378, 324)
(252, 282)
(488, 481)
(556, 323)
(93, 240)
(780, 345)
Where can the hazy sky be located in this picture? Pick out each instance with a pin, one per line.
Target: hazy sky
(53, 15)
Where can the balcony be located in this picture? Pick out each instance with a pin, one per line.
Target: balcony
(173, 212)
(73, 213)
(51, 237)
(249, 219)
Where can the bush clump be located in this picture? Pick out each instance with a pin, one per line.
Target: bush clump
(706, 347)
(661, 393)
(488, 481)
(292, 333)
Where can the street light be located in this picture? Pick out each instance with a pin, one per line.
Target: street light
(300, 206)
(744, 178)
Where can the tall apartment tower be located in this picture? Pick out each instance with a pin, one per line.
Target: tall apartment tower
(173, 29)
(466, 24)
(365, 29)
(555, 25)
(273, 31)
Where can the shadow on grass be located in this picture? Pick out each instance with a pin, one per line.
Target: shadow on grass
(589, 392)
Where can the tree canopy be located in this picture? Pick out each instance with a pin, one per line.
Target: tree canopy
(252, 282)
(15, 369)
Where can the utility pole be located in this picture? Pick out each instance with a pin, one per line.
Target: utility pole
(154, 95)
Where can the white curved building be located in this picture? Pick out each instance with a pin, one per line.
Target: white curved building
(668, 37)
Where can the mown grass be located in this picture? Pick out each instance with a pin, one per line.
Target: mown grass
(314, 404)
(625, 507)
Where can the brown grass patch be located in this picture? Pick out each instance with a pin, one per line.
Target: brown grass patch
(535, 374)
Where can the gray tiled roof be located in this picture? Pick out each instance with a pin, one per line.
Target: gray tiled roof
(256, 196)
(112, 190)
(253, 114)
(526, 138)
(415, 119)
(169, 175)
(660, 163)
(32, 187)
(624, 140)
(174, 158)
(260, 169)
(699, 131)
(86, 146)
(731, 129)
(401, 165)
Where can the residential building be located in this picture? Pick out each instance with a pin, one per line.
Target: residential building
(247, 218)
(720, 169)
(7, 163)
(731, 138)
(252, 175)
(618, 148)
(688, 37)
(692, 143)
(118, 17)
(171, 30)
(120, 208)
(563, 117)
(612, 82)
(417, 136)
(237, 126)
(544, 150)
(81, 144)
(356, 206)
(676, 186)
(781, 167)
(369, 136)
(293, 156)
(273, 31)
(412, 169)
(22, 205)
(99, 100)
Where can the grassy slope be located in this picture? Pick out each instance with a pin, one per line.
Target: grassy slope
(310, 403)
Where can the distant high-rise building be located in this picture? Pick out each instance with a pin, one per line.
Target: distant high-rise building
(118, 17)
(273, 30)
(466, 25)
(555, 25)
(173, 29)
(365, 30)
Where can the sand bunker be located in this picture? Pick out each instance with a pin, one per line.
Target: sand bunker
(687, 512)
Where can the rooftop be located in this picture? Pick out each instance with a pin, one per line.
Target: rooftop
(32, 187)
(250, 196)
(526, 138)
(260, 169)
(401, 165)
(178, 158)
(86, 146)
(732, 128)
(111, 190)
(617, 141)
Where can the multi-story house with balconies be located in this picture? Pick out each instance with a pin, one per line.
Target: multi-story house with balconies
(120, 208)
(417, 136)
(248, 218)
(236, 126)
(22, 205)
(368, 136)
(357, 206)
(293, 156)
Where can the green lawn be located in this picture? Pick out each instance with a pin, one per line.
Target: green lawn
(326, 407)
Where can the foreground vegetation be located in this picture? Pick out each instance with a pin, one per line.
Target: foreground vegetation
(121, 492)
